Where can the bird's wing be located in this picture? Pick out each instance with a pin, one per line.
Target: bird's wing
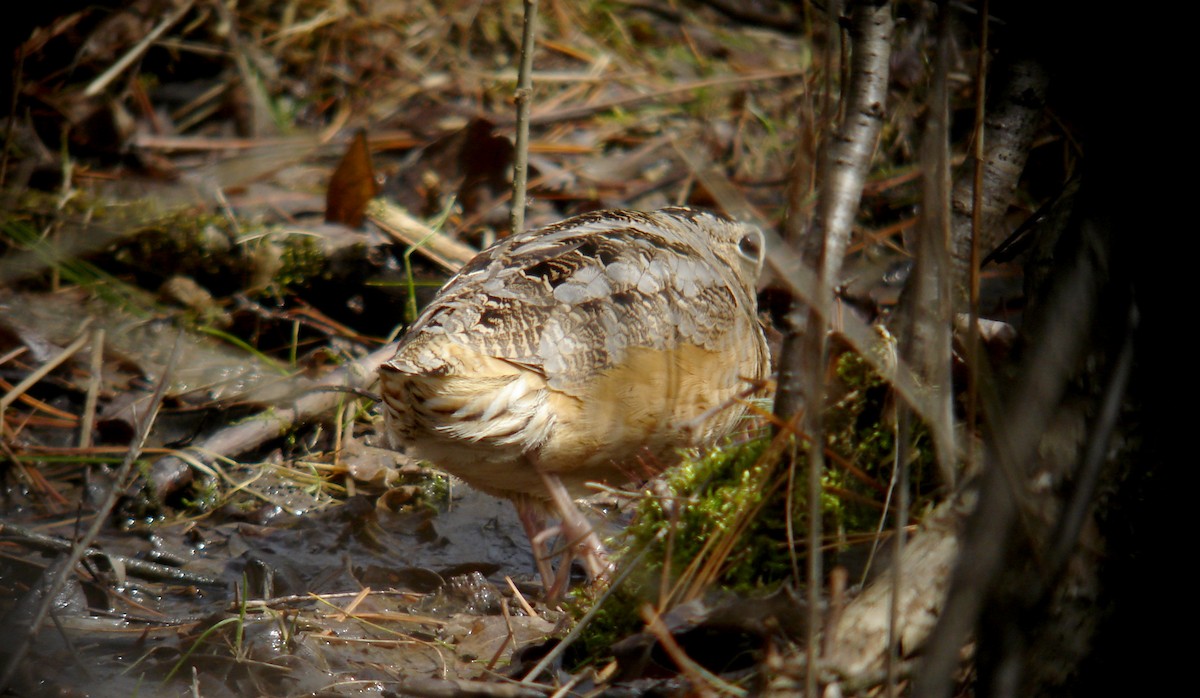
(570, 300)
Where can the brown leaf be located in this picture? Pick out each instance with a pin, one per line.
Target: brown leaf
(352, 185)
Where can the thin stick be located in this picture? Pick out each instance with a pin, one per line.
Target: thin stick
(32, 379)
(844, 160)
(563, 644)
(399, 225)
(136, 52)
(520, 598)
(524, 98)
(135, 567)
(13, 354)
(701, 678)
(269, 424)
(976, 231)
(93, 389)
(903, 447)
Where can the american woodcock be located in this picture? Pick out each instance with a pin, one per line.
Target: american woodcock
(577, 353)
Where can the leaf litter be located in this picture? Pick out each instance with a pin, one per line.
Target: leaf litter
(179, 173)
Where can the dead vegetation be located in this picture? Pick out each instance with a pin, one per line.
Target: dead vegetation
(216, 216)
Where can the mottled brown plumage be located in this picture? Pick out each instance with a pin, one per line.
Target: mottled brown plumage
(568, 354)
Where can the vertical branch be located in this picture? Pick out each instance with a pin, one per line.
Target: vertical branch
(928, 322)
(835, 56)
(926, 317)
(1057, 345)
(976, 225)
(845, 159)
(1009, 126)
(524, 99)
(93, 389)
(848, 154)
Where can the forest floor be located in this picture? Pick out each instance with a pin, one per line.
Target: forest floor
(213, 211)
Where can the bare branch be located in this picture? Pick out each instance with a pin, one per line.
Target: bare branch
(926, 317)
(846, 158)
(524, 100)
(1010, 125)
(171, 472)
(1017, 429)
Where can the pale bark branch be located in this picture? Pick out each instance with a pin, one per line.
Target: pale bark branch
(846, 158)
(927, 316)
(170, 472)
(1011, 122)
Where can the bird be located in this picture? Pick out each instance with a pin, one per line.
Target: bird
(575, 353)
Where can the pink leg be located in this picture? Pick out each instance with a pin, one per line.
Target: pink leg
(534, 523)
(581, 538)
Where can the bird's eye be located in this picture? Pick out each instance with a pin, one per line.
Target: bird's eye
(751, 246)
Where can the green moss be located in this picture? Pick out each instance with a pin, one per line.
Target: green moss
(861, 431)
(428, 488)
(857, 431)
(616, 620)
(726, 485)
(301, 260)
(205, 495)
(435, 487)
(183, 240)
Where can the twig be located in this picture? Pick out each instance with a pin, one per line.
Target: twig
(520, 597)
(524, 99)
(138, 49)
(564, 643)
(13, 354)
(102, 514)
(93, 389)
(976, 230)
(926, 316)
(1059, 341)
(141, 568)
(845, 159)
(37, 375)
(1066, 534)
(926, 326)
(395, 222)
(491, 665)
(701, 678)
(165, 474)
